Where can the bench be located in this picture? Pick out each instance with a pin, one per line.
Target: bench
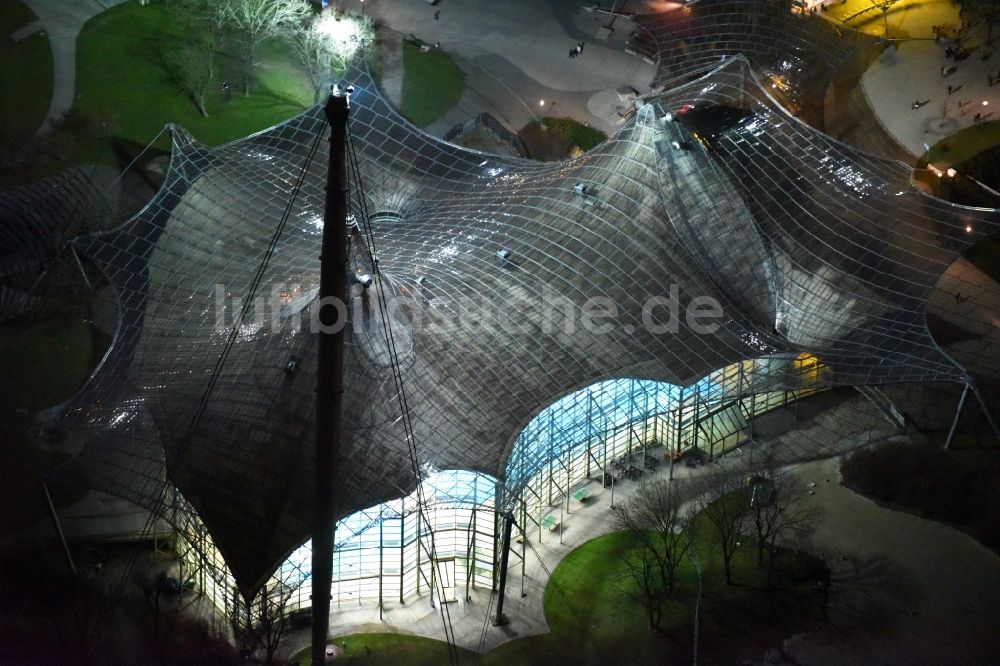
(581, 495)
(550, 522)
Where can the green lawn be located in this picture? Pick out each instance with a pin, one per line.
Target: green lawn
(396, 649)
(122, 81)
(973, 151)
(963, 145)
(25, 77)
(432, 84)
(45, 361)
(737, 622)
(578, 134)
(555, 139)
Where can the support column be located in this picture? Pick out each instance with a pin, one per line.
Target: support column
(496, 531)
(524, 546)
(677, 430)
(329, 372)
(381, 555)
(402, 549)
(416, 542)
(569, 478)
(59, 532)
(79, 265)
(958, 414)
(508, 523)
(631, 417)
(697, 415)
(470, 547)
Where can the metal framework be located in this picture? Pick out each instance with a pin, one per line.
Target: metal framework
(821, 258)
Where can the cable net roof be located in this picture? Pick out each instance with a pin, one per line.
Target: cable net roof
(807, 245)
(797, 49)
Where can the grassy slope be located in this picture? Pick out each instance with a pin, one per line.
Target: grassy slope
(432, 84)
(45, 361)
(122, 79)
(26, 73)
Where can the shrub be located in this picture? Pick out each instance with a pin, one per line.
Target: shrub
(577, 133)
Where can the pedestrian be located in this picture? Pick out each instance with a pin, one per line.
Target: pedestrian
(949, 89)
(226, 93)
(579, 48)
(437, 15)
(572, 52)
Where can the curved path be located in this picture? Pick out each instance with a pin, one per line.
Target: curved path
(62, 21)
(921, 592)
(515, 54)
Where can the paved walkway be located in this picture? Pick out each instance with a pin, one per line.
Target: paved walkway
(392, 66)
(515, 54)
(62, 21)
(912, 591)
(907, 19)
(969, 300)
(911, 71)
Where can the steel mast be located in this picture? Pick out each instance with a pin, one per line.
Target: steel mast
(329, 368)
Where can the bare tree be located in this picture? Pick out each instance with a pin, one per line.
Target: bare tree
(324, 45)
(863, 590)
(191, 66)
(209, 19)
(661, 526)
(78, 621)
(190, 69)
(724, 503)
(778, 515)
(255, 21)
(262, 622)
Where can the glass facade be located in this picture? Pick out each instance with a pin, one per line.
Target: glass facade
(394, 551)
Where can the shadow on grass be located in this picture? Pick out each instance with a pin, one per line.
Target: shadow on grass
(921, 479)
